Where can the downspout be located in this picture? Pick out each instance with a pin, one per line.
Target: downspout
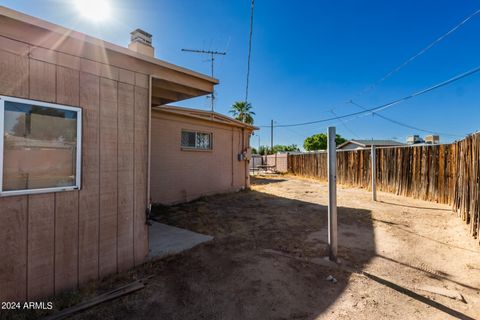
(241, 151)
(245, 161)
(149, 145)
(233, 157)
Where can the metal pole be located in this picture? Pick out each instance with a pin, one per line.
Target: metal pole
(213, 61)
(373, 156)
(213, 91)
(271, 135)
(212, 55)
(332, 194)
(271, 145)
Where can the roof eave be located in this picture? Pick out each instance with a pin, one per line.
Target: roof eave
(30, 20)
(190, 112)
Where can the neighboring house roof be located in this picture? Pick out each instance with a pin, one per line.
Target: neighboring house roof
(204, 115)
(369, 143)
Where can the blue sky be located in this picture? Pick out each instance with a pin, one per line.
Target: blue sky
(310, 57)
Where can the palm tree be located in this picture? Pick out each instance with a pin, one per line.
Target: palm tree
(241, 110)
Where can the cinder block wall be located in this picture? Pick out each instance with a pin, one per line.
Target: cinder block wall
(182, 175)
(278, 160)
(54, 241)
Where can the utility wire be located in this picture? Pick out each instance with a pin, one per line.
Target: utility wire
(418, 54)
(389, 104)
(401, 66)
(412, 58)
(296, 133)
(392, 72)
(345, 124)
(249, 50)
(406, 125)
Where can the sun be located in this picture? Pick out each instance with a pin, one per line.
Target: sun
(94, 10)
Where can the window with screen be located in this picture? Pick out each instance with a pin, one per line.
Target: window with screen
(196, 140)
(40, 146)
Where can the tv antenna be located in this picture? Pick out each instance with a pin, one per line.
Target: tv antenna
(212, 60)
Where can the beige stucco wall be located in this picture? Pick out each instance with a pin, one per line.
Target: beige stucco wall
(182, 175)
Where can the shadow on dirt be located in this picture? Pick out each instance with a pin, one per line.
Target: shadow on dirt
(236, 276)
(233, 278)
(262, 180)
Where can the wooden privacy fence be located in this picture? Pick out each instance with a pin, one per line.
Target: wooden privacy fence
(447, 173)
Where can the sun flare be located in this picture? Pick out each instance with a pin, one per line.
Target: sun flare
(94, 10)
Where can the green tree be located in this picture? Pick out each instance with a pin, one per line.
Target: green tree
(242, 111)
(319, 141)
(263, 150)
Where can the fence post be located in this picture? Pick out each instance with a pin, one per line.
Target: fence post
(373, 169)
(332, 194)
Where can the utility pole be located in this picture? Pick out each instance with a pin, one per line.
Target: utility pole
(332, 194)
(212, 60)
(271, 144)
(373, 157)
(271, 135)
(249, 49)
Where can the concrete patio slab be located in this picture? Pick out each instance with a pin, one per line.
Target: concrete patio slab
(166, 240)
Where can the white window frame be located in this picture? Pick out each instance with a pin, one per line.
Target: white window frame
(78, 171)
(197, 148)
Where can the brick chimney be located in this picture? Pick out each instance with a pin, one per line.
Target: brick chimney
(141, 42)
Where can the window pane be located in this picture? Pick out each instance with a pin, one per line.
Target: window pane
(40, 147)
(203, 140)
(188, 139)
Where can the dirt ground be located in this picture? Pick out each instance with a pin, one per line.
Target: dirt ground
(265, 261)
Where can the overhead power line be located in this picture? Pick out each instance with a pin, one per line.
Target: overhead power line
(404, 64)
(412, 58)
(345, 125)
(405, 124)
(389, 104)
(421, 52)
(249, 50)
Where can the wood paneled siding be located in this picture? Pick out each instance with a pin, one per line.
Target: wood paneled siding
(51, 242)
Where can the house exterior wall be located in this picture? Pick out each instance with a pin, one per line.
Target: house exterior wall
(55, 241)
(182, 175)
